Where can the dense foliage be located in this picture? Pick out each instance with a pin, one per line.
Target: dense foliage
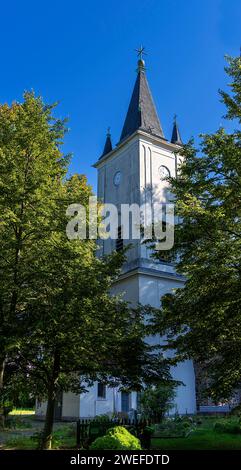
(203, 320)
(156, 401)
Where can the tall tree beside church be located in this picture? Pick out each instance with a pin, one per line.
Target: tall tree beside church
(203, 319)
(31, 166)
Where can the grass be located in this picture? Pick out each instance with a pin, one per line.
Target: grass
(207, 440)
(203, 438)
(22, 412)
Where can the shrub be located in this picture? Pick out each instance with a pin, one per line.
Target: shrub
(66, 430)
(21, 442)
(236, 411)
(227, 428)
(145, 436)
(156, 401)
(174, 428)
(117, 438)
(186, 421)
(102, 418)
(16, 422)
(64, 437)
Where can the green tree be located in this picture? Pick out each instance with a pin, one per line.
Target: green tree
(203, 320)
(31, 166)
(156, 401)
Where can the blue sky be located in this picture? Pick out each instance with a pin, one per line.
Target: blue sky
(82, 54)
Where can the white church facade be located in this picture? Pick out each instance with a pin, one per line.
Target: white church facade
(134, 172)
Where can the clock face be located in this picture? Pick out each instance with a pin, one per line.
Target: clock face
(164, 172)
(117, 178)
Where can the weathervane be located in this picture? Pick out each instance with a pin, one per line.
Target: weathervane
(140, 52)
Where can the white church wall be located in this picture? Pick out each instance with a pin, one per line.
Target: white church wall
(70, 405)
(125, 161)
(40, 408)
(148, 290)
(151, 290)
(185, 399)
(91, 405)
(105, 406)
(87, 403)
(153, 287)
(129, 288)
(153, 189)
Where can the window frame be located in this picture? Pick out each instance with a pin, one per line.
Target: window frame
(101, 396)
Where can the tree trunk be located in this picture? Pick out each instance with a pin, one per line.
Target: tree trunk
(49, 421)
(49, 418)
(2, 368)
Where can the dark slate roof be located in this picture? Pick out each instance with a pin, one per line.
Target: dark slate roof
(108, 145)
(141, 113)
(176, 137)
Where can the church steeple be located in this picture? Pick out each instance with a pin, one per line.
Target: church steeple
(176, 137)
(141, 113)
(108, 143)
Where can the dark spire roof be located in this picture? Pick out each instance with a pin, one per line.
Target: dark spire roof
(141, 113)
(108, 144)
(176, 137)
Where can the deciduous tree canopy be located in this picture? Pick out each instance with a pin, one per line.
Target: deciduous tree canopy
(203, 320)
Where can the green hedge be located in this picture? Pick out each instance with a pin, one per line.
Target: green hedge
(227, 428)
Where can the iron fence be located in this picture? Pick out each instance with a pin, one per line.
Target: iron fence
(87, 430)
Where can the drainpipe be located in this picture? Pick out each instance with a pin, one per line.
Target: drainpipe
(114, 401)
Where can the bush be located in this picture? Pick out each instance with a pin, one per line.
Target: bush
(145, 436)
(156, 401)
(66, 430)
(236, 411)
(17, 422)
(64, 437)
(227, 428)
(174, 428)
(186, 421)
(21, 442)
(117, 438)
(102, 418)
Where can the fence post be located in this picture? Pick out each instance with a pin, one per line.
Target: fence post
(78, 433)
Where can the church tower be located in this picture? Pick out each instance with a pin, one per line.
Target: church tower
(134, 172)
